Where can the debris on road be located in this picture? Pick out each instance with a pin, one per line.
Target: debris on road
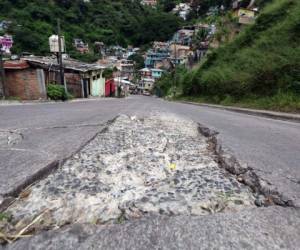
(9, 138)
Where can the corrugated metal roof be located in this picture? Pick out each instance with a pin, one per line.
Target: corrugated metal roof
(16, 64)
(67, 63)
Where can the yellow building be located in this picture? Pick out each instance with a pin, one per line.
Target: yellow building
(245, 16)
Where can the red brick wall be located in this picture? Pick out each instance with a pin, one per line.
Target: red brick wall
(23, 83)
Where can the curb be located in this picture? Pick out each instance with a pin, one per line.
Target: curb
(8, 198)
(263, 113)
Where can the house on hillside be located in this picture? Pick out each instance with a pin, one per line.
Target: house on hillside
(146, 84)
(4, 24)
(184, 36)
(81, 46)
(182, 10)
(151, 73)
(245, 11)
(116, 51)
(180, 53)
(155, 57)
(145, 73)
(110, 62)
(126, 68)
(151, 3)
(82, 79)
(6, 42)
(156, 73)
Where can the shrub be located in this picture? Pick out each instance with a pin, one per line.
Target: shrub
(57, 92)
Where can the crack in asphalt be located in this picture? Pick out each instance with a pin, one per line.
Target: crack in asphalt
(62, 127)
(246, 174)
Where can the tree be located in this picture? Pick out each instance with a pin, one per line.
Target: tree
(168, 5)
(138, 60)
(120, 22)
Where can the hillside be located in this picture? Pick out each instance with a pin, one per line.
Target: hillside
(120, 22)
(260, 68)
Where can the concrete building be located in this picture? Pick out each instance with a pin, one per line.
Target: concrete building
(184, 36)
(126, 68)
(156, 56)
(145, 73)
(156, 73)
(245, 11)
(81, 46)
(146, 84)
(182, 10)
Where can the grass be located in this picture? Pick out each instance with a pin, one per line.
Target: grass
(260, 68)
(13, 98)
(284, 102)
(4, 216)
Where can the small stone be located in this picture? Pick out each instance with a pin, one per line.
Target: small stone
(240, 179)
(260, 201)
(238, 202)
(145, 199)
(176, 181)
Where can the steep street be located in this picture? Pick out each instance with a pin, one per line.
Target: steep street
(149, 124)
(40, 134)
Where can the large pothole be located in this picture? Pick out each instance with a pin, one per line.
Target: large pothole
(159, 164)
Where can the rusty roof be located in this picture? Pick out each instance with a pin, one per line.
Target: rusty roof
(70, 64)
(16, 64)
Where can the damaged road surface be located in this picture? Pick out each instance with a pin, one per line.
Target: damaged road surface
(134, 167)
(139, 174)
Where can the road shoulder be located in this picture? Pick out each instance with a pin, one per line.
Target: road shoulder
(255, 112)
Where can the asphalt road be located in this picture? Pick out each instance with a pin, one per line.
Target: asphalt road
(53, 131)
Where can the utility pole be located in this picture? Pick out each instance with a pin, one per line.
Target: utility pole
(2, 74)
(175, 64)
(60, 60)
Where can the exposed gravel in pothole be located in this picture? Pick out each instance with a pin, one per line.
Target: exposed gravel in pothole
(159, 164)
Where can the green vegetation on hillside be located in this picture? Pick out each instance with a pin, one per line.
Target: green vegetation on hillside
(120, 22)
(261, 66)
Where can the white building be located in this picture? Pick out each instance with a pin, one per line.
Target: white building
(183, 10)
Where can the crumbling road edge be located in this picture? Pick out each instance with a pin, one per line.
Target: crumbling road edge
(245, 173)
